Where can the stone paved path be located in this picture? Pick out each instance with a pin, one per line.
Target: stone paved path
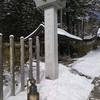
(95, 94)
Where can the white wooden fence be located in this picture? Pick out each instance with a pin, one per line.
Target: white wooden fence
(12, 55)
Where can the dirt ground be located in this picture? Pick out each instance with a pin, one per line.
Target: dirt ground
(66, 63)
(95, 94)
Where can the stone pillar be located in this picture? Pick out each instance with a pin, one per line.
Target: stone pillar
(51, 43)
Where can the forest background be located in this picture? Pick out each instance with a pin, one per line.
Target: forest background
(21, 17)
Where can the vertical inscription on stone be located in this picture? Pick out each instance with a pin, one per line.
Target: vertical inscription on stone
(48, 37)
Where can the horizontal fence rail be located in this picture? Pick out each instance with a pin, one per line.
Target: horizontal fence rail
(17, 45)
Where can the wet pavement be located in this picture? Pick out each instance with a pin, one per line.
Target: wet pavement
(95, 94)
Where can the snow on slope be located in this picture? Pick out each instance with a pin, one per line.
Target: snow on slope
(68, 86)
(89, 64)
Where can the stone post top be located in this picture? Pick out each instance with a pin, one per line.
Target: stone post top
(46, 3)
(0, 34)
(11, 36)
(21, 37)
(30, 39)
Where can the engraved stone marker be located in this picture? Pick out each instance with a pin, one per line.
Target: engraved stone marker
(51, 40)
(51, 43)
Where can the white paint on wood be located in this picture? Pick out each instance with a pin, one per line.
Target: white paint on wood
(37, 60)
(22, 62)
(30, 53)
(12, 65)
(1, 69)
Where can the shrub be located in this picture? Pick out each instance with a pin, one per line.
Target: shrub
(79, 49)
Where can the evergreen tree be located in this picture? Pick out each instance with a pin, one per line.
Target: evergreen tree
(19, 17)
(78, 12)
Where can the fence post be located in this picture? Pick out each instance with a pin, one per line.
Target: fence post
(12, 65)
(30, 58)
(1, 69)
(22, 63)
(37, 58)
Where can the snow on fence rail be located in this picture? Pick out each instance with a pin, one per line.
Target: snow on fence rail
(12, 54)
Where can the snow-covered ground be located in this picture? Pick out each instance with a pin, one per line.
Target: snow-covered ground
(69, 85)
